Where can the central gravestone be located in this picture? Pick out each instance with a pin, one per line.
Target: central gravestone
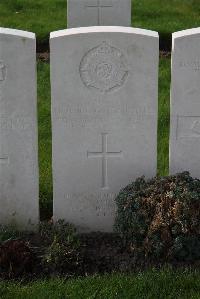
(83, 13)
(104, 119)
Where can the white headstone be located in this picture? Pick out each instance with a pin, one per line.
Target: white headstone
(104, 119)
(18, 130)
(83, 13)
(185, 103)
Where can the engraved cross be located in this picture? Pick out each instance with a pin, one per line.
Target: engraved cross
(104, 155)
(99, 5)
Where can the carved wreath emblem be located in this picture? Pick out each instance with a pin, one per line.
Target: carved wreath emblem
(104, 68)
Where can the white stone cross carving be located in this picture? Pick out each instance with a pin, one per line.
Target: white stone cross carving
(104, 155)
(99, 5)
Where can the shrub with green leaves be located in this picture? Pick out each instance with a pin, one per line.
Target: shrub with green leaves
(160, 218)
(9, 233)
(62, 247)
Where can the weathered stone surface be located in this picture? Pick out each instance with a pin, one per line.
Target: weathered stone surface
(104, 119)
(83, 13)
(18, 130)
(185, 99)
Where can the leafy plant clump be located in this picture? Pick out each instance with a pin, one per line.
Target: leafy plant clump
(8, 233)
(160, 218)
(62, 254)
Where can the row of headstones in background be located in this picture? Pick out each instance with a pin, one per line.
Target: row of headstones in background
(104, 119)
(84, 13)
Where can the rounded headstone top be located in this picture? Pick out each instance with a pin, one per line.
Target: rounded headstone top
(103, 29)
(17, 33)
(180, 35)
(187, 32)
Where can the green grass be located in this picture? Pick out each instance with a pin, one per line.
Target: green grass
(39, 16)
(45, 130)
(44, 118)
(164, 116)
(166, 16)
(153, 284)
(44, 16)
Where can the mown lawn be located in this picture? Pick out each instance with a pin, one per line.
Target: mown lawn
(44, 127)
(45, 16)
(164, 116)
(153, 284)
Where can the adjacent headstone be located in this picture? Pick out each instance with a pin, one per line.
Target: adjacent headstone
(18, 130)
(104, 119)
(83, 13)
(185, 103)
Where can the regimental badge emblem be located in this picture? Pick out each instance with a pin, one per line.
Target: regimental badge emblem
(104, 68)
(2, 71)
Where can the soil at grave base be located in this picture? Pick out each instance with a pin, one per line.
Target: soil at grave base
(100, 253)
(43, 56)
(106, 253)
